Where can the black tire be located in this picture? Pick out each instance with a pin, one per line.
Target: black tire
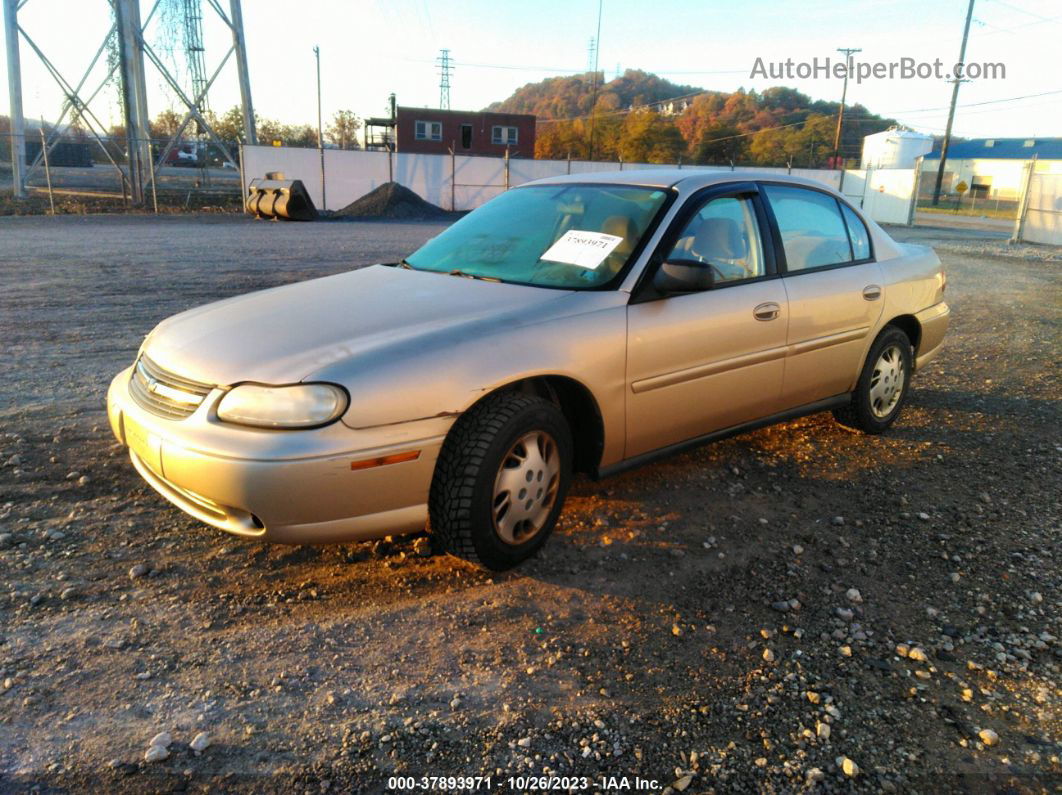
(460, 503)
(860, 413)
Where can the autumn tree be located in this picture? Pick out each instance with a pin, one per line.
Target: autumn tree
(229, 125)
(288, 134)
(646, 137)
(343, 131)
(165, 124)
(721, 144)
(775, 146)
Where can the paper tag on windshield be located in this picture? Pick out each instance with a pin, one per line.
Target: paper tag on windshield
(582, 249)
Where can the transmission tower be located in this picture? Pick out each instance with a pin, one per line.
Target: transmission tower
(445, 68)
(194, 50)
(126, 34)
(591, 54)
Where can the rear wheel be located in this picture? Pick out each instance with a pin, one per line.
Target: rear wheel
(501, 479)
(882, 388)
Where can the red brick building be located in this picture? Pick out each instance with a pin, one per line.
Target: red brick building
(430, 131)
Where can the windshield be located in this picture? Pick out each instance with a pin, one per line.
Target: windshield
(570, 236)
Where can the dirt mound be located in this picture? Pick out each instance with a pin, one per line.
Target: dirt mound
(391, 200)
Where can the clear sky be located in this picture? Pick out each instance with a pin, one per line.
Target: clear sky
(370, 48)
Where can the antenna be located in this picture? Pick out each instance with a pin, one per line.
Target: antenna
(445, 68)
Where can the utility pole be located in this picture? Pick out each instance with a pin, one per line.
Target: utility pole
(593, 80)
(848, 52)
(444, 79)
(951, 111)
(320, 129)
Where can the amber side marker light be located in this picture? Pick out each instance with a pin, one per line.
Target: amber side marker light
(384, 460)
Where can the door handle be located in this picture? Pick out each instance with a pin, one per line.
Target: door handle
(872, 292)
(767, 311)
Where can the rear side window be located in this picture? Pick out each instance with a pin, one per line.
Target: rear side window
(857, 233)
(813, 232)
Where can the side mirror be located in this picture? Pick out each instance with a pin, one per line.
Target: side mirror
(683, 276)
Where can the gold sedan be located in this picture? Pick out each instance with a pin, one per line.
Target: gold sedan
(578, 324)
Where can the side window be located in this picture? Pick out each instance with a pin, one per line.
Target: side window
(724, 235)
(813, 232)
(857, 233)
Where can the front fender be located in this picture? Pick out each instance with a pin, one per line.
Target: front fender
(584, 340)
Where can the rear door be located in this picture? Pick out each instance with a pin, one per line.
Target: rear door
(703, 361)
(834, 288)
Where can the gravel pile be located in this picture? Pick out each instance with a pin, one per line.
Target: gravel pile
(391, 200)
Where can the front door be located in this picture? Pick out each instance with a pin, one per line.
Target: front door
(704, 361)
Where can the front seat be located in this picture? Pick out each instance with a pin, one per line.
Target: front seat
(620, 226)
(720, 243)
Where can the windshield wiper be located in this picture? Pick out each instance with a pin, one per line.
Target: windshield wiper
(466, 275)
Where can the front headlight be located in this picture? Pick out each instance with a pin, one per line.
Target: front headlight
(295, 406)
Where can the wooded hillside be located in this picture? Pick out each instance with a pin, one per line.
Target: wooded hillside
(643, 117)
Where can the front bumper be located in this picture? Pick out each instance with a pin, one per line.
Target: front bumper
(292, 487)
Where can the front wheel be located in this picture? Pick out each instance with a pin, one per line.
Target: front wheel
(501, 479)
(882, 388)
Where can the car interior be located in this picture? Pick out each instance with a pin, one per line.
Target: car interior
(723, 235)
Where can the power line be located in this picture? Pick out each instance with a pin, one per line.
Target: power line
(977, 104)
(1039, 17)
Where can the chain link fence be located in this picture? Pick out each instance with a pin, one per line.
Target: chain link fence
(188, 173)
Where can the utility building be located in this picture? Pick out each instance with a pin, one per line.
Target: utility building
(467, 132)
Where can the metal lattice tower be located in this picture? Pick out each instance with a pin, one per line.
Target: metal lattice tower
(195, 52)
(445, 68)
(127, 36)
(591, 55)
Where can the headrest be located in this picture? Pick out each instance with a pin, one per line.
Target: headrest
(719, 238)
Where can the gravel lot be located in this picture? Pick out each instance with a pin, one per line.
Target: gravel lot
(793, 609)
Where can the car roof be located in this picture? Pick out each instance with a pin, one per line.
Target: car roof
(685, 179)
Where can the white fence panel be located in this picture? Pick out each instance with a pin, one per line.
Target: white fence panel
(1043, 215)
(854, 187)
(350, 175)
(521, 170)
(888, 195)
(476, 181)
(304, 164)
(592, 166)
(464, 182)
(426, 175)
(828, 177)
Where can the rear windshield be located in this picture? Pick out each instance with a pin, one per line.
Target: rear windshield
(570, 236)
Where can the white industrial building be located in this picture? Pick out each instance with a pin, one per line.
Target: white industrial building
(994, 168)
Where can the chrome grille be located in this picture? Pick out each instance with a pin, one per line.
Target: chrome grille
(163, 393)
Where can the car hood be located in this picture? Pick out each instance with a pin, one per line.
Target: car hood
(284, 334)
